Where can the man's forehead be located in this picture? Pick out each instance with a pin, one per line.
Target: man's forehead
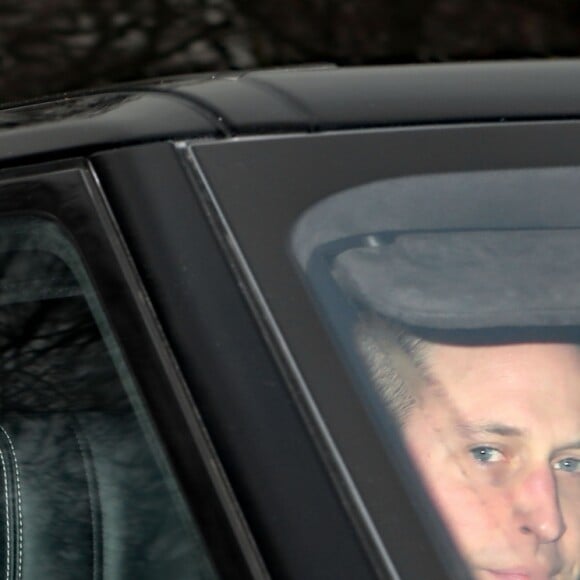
(533, 392)
(493, 383)
(520, 356)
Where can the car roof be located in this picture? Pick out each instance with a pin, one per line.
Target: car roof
(304, 99)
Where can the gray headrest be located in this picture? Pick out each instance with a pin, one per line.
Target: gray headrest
(475, 279)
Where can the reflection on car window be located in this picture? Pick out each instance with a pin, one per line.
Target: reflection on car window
(84, 490)
(468, 343)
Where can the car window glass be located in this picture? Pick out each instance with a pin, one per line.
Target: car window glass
(85, 489)
(462, 336)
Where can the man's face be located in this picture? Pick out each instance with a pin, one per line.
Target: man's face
(496, 437)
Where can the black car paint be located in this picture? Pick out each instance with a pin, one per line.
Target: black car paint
(303, 524)
(284, 490)
(287, 101)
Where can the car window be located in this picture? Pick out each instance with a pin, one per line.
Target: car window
(85, 488)
(464, 342)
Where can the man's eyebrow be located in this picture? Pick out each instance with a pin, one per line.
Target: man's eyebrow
(573, 445)
(471, 429)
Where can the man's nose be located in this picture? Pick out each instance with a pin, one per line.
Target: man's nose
(538, 507)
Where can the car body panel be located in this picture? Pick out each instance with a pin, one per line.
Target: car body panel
(269, 185)
(200, 181)
(291, 100)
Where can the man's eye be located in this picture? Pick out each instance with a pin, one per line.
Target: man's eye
(484, 454)
(569, 464)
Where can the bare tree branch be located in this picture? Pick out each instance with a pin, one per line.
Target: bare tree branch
(56, 45)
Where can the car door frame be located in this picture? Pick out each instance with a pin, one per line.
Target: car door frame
(68, 193)
(256, 202)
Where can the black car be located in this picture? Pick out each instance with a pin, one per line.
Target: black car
(186, 266)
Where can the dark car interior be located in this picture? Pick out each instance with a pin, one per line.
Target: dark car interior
(84, 493)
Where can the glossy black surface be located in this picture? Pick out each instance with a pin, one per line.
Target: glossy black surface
(299, 515)
(386, 96)
(292, 100)
(300, 525)
(66, 193)
(83, 123)
(270, 183)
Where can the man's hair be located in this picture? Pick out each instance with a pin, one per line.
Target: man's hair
(395, 359)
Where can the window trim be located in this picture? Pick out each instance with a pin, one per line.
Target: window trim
(69, 193)
(255, 205)
(299, 522)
